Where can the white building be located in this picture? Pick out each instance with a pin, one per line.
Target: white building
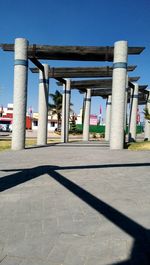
(52, 121)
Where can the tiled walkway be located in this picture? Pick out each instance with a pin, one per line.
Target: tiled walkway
(74, 204)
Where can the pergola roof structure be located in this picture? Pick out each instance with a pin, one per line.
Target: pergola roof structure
(78, 53)
(74, 53)
(105, 92)
(34, 52)
(103, 87)
(80, 72)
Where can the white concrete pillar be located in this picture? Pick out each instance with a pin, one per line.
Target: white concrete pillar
(68, 93)
(126, 104)
(63, 118)
(65, 111)
(108, 118)
(147, 123)
(83, 108)
(118, 94)
(43, 106)
(132, 125)
(20, 93)
(130, 110)
(87, 115)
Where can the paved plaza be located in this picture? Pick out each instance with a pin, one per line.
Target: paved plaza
(74, 204)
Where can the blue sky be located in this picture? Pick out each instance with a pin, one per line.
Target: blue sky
(67, 22)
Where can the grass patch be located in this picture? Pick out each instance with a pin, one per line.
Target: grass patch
(5, 144)
(139, 146)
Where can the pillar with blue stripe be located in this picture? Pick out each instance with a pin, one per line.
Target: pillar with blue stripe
(65, 111)
(126, 104)
(20, 93)
(118, 95)
(87, 110)
(43, 106)
(133, 114)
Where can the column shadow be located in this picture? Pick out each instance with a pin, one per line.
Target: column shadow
(140, 252)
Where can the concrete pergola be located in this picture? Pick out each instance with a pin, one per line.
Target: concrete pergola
(93, 88)
(135, 99)
(76, 72)
(103, 88)
(23, 51)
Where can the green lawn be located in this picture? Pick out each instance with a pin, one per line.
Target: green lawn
(139, 146)
(5, 144)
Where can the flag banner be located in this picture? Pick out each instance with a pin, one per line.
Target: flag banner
(30, 112)
(93, 119)
(138, 116)
(100, 109)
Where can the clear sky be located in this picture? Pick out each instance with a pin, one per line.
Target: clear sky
(67, 22)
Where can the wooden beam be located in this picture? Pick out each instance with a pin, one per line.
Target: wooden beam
(130, 84)
(105, 92)
(37, 63)
(101, 92)
(61, 80)
(141, 87)
(73, 53)
(80, 72)
(96, 83)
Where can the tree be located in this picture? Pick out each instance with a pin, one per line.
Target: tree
(56, 107)
(146, 114)
(73, 123)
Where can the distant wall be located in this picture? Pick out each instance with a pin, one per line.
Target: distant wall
(101, 128)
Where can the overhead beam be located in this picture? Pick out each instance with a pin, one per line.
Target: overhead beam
(96, 83)
(74, 53)
(104, 92)
(144, 91)
(38, 64)
(141, 87)
(142, 98)
(61, 80)
(81, 72)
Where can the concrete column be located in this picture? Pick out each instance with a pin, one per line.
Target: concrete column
(147, 123)
(63, 119)
(68, 93)
(126, 104)
(20, 93)
(130, 110)
(65, 111)
(87, 115)
(83, 108)
(108, 118)
(43, 106)
(118, 95)
(132, 125)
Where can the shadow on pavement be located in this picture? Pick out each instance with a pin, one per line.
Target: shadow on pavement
(140, 253)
